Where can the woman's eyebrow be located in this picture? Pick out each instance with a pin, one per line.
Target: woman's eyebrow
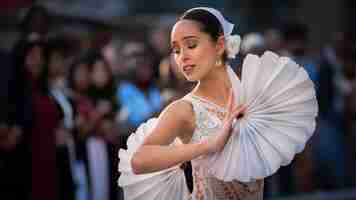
(189, 37)
(186, 38)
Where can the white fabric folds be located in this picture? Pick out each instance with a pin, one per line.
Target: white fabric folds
(280, 118)
(162, 185)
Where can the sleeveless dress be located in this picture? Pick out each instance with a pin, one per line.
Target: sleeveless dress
(209, 118)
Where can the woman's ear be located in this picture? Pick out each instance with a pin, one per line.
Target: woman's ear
(220, 45)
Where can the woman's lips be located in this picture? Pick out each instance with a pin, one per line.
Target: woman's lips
(188, 69)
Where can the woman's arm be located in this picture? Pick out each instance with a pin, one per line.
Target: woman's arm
(155, 154)
(177, 120)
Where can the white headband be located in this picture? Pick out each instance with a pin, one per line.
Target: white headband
(232, 41)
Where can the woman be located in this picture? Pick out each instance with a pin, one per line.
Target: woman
(102, 93)
(197, 35)
(36, 103)
(204, 121)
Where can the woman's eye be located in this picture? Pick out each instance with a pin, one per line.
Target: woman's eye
(192, 46)
(175, 50)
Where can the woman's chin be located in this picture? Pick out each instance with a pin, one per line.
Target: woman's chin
(191, 78)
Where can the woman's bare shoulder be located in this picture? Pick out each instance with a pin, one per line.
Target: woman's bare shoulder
(176, 120)
(180, 109)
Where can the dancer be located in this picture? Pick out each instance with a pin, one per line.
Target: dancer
(233, 131)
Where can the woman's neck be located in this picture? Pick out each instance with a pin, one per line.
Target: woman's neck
(215, 87)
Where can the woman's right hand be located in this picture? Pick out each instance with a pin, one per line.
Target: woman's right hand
(216, 143)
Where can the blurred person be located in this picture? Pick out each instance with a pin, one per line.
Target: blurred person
(111, 130)
(36, 21)
(35, 25)
(102, 85)
(102, 92)
(12, 148)
(32, 86)
(334, 56)
(79, 82)
(98, 166)
(332, 162)
(335, 88)
(112, 56)
(139, 89)
(55, 54)
(19, 115)
(159, 40)
(7, 122)
(57, 71)
(102, 170)
(159, 46)
(48, 114)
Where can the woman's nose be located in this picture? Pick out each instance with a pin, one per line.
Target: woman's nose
(184, 55)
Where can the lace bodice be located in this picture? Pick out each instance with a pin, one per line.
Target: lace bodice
(209, 118)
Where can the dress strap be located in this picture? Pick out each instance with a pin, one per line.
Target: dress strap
(197, 108)
(204, 109)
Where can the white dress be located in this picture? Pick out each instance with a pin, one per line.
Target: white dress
(209, 118)
(279, 120)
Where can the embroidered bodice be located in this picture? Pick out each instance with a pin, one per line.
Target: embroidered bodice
(209, 117)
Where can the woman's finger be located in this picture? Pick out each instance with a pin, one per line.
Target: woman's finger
(230, 104)
(230, 101)
(238, 112)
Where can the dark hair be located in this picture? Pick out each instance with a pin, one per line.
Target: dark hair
(208, 24)
(25, 25)
(92, 58)
(109, 91)
(73, 68)
(56, 45)
(20, 52)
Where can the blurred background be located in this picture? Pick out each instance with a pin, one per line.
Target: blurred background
(78, 76)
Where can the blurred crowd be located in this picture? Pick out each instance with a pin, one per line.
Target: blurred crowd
(68, 105)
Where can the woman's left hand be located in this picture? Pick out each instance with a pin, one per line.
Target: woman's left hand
(216, 143)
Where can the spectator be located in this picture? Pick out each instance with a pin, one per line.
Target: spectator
(139, 90)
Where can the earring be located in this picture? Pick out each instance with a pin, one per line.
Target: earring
(219, 61)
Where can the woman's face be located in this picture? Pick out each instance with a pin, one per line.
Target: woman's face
(81, 77)
(100, 75)
(56, 64)
(193, 50)
(34, 61)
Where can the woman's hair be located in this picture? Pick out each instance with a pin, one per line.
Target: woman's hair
(96, 56)
(209, 24)
(74, 67)
(40, 11)
(20, 53)
(110, 88)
